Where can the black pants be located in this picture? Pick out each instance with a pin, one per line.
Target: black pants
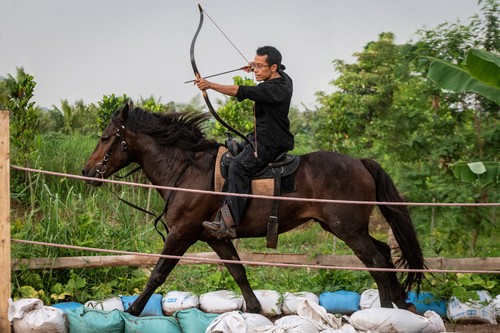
(241, 169)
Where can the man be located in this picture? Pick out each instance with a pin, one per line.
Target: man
(271, 136)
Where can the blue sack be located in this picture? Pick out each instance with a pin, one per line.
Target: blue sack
(342, 301)
(152, 308)
(427, 301)
(66, 306)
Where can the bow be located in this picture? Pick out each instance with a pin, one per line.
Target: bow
(204, 92)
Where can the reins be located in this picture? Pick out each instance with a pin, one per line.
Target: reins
(101, 169)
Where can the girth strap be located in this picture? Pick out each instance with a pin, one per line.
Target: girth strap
(272, 224)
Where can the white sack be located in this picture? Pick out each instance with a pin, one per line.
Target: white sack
(220, 301)
(296, 324)
(237, 322)
(381, 320)
(317, 314)
(270, 301)
(178, 300)
(289, 305)
(436, 325)
(19, 308)
(370, 299)
(106, 305)
(473, 310)
(42, 320)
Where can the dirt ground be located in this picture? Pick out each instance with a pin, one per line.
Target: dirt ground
(476, 328)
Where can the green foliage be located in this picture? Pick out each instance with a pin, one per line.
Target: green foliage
(480, 73)
(107, 106)
(238, 114)
(462, 286)
(23, 118)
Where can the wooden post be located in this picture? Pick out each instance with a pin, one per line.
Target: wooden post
(4, 221)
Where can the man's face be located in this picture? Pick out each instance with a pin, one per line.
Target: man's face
(262, 69)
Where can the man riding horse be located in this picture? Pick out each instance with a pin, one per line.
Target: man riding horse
(271, 137)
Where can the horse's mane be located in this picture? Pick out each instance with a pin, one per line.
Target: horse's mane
(180, 129)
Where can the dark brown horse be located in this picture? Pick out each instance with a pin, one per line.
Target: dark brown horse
(172, 151)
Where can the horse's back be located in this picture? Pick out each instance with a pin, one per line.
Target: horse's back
(335, 176)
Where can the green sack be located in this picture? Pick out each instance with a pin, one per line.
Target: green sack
(194, 320)
(85, 320)
(156, 324)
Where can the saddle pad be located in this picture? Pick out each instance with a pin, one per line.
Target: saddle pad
(259, 186)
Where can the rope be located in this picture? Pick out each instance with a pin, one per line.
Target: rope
(252, 263)
(328, 201)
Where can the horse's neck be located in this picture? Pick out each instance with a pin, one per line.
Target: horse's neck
(170, 167)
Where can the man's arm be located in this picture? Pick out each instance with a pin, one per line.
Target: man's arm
(230, 90)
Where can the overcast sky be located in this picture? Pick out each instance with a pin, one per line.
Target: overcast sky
(84, 49)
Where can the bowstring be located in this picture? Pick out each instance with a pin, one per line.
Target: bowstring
(222, 32)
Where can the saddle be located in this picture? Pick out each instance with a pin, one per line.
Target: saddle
(276, 179)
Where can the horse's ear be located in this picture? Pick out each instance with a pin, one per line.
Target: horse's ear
(123, 114)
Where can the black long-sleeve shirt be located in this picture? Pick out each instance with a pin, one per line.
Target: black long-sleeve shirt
(272, 103)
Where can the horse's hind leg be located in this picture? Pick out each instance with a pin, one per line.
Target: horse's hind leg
(226, 250)
(174, 245)
(376, 254)
(394, 290)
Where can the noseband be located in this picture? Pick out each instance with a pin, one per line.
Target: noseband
(101, 166)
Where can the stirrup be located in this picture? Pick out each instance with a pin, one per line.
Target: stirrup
(213, 225)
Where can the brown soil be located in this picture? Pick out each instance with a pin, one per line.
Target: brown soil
(476, 328)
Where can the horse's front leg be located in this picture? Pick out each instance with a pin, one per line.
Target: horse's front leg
(175, 245)
(226, 250)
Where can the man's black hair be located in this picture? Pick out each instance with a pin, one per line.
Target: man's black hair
(273, 56)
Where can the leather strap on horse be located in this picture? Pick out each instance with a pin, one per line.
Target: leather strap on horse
(272, 224)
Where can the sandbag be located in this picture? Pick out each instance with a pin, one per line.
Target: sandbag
(382, 320)
(220, 301)
(436, 325)
(193, 320)
(317, 314)
(113, 303)
(152, 308)
(254, 320)
(21, 307)
(85, 320)
(495, 303)
(341, 301)
(178, 300)
(289, 305)
(229, 322)
(237, 322)
(346, 328)
(296, 324)
(150, 324)
(66, 306)
(426, 301)
(41, 320)
(472, 311)
(270, 301)
(370, 299)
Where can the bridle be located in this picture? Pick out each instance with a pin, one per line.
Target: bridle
(101, 166)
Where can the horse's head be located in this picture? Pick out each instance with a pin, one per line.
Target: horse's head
(111, 153)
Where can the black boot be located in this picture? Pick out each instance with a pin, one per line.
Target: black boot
(223, 226)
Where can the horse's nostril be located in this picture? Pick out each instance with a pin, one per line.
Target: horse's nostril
(83, 172)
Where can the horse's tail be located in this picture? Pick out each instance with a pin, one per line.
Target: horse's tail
(399, 219)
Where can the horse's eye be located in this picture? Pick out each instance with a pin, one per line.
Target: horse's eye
(104, 139)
